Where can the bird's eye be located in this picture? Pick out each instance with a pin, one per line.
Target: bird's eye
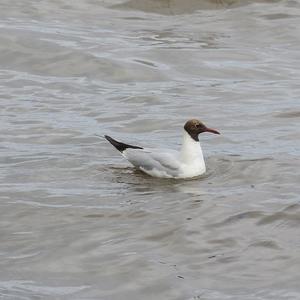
(198, 125)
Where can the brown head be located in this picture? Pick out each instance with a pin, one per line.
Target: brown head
(195, 127)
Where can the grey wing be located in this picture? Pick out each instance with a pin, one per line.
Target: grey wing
(149, 159)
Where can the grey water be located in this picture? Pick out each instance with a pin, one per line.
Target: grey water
(77, 221)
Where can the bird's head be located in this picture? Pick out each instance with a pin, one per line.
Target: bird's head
(195, 127)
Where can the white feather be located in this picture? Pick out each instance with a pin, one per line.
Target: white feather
(186, 163)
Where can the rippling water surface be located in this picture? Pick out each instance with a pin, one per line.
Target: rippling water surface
(77, 222)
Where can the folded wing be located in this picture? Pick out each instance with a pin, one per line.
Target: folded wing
(156, 163)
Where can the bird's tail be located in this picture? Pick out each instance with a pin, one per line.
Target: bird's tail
(120, 146)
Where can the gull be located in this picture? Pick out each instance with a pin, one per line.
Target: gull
(168, 163)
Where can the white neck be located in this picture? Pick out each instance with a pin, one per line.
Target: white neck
(191, 152)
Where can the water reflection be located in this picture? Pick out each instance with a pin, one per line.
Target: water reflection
(176, 7)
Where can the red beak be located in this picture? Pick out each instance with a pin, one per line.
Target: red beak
(212, 130)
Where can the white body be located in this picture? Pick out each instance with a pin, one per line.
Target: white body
(186, 163)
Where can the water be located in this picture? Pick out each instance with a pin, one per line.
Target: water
(77, 222)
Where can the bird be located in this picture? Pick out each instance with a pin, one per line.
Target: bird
(188, 162)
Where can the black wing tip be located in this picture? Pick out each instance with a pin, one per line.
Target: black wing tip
(110, 139)
(120, 146)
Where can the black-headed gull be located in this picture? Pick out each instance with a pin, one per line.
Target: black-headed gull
(167, 163)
